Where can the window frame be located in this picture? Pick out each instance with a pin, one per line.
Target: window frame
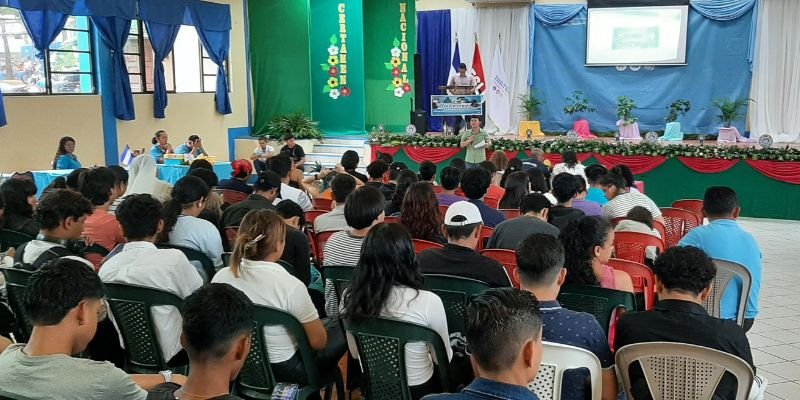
(203, 73)
(142, 65)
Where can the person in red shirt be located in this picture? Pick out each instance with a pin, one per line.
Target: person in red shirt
(100, 228)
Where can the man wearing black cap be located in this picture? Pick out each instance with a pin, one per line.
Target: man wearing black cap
(265, 191)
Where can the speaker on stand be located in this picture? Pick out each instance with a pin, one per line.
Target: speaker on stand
(419, 117)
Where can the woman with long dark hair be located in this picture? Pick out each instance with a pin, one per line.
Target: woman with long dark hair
(387, 283)
(420, 213)
(182, 227)
(588, 243)
(20, 197)
(404, 179)
(626, 173)
(514, 165)
(517, 186)
(65, 157)
(570, 164)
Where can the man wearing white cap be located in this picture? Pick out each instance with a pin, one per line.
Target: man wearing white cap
(462, 225)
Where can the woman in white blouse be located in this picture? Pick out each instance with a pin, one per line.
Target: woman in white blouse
(387, 283)
(571, 165)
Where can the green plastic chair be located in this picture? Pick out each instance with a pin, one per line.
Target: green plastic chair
(16, 284)
(288, 267)
(455, 292)
(256, 380)
(194, 255)
(340, 276)
(130, 306)
(597, 301)
(9, 238)
(381, 349)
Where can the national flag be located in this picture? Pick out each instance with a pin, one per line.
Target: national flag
(456, 61)
(127, 156)
(498, 100)
(477, 70)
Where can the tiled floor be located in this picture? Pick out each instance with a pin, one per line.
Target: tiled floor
(775, 336)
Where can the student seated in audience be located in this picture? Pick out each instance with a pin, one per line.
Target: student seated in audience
(253, 270)
(533, 210)
(462, 225)
(427, 172)
(513, 165)
(588, 244)
(160, 147)
(74, 178)
(621, 199)
(20, 196)
(540, 267)
(404, 179)
(341, 186)
(595, 192)
(282, 166)
(537, 161)
(238, 180)
(261, 154)
(571, 165)
(625, 172)
(504, 335)
(684, 278)
(193, 146)
(143, 180)
(494, 190)
(475, 182)
(100, 228)
(724, 239)
(265, 192)
(139, 262)
(565, 188)
(539, 184)
(393, 175)
(500, 161)
(459, 164)
(420, 213)
(376, 171)
(297, 250)
(450, 179)
(217, 322)
(65, 155)
(120, 186)
(589, 208)
(4, 343)
(64, 302)
(294, 151)
(387, 283)
(349, 162)
(517, 186)
(640, 220)
(181, 225)
(212, 207)
(61, 215)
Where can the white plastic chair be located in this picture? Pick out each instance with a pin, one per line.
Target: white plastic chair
(557, 358)
(726, 273)
(682, 371)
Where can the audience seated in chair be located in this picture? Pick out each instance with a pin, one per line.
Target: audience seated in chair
(640, 220)
(427, 172)
(101, 228)
(684, 276)
(588, 244)
(450, 179)
(212, 208)
(420, 213)
(217, 322)
(475, 182)
(404, 179)
(265, 192)
(724, 239)
(392, 177)
(517, 185)
(580, 202)
(341, 186)
(534, 209)
(297, 250)
(595, 192)
(565, 188)
(238, 180)
(504, 335)
(20, 196)
(254, 271)
(349, 162)
(494, 190)
(387, 283)
(376, 171)
(64, 301)
(622, 198)
(462, 226)
(141, 263)
(540, 266)
(282, 166)
(121, 178)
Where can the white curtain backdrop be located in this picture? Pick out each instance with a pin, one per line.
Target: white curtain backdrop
(511, 23)
(776, 76)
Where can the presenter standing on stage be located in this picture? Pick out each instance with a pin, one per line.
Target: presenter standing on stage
(475, 141)
(461, 84)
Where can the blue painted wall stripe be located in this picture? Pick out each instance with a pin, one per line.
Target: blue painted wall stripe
(104, 88)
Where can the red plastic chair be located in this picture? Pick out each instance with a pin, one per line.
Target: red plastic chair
(644, 282)
(230, 233)
(510, 213)
(508, 259)
(422, 245)
(311, 216)
(231, 196)
(437, 189)
(693, 205)
(483, 238)
(319, 240)
(678, 222)
(443, 210)
(312, 243)
(615, 221)
(492, 202)
(656, 225)
(391, 220)
(322, 204)
(632, 245)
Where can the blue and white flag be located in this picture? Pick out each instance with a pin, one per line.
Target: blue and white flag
(456, 61)
(127, 156)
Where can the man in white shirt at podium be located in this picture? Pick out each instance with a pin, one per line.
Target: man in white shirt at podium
(461, 84)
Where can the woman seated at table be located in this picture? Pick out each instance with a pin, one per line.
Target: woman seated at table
(588, 243)
(160, 147)
(238, 180)
(65, 156)
(20, 197)
(193, 146)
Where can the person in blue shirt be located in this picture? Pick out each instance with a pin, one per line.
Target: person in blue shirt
(65, 156)
(193, 146)
(504, 334)
(160, 147)
(724, 239)
(595, 193)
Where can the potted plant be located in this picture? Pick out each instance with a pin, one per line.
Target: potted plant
(296, 123)
(730, 110)
(677, 109)
(578, 103)
(530, 106)
(625, 107)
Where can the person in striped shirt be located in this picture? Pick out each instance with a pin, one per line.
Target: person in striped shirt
(621, 199)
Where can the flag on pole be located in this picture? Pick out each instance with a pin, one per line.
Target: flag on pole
(126, 156)
(477, 70)
(456, 61)
(498, 100)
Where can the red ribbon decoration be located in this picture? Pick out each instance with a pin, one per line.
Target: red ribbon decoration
(784, 171)
(435, 155)
(637, 164)
(707, 165)
(392, 150)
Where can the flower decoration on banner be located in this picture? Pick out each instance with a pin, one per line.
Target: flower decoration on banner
(398, 70)
(336, 68)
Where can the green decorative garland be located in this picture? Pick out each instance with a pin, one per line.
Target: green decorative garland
(603, 148)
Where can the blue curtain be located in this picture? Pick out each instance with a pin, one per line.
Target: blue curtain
(114, 32)
(433, 45)
(727, 10)
(162, 38)
(554, 15)
(43, 27)
(217, 44)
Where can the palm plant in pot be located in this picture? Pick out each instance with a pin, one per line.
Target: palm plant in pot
(530, 105)
(730, 110)
(296, 123)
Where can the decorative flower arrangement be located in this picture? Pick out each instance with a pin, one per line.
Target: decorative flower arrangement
(334, 87)
(396, 67)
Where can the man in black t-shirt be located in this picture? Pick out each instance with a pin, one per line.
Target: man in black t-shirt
(294, 151)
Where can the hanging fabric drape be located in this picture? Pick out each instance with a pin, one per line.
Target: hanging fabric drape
(726, 10)
(217, 44)
(707, 165)
(114, 33)
(162, 38)
(553, 15)
(433, 45)
(43, 26)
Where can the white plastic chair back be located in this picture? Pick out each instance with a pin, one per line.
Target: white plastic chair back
(726, 273)
(556, 359)
(682, 371)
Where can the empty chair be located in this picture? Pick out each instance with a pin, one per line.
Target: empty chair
(682, 371)
(631, 245)
(678, 222)
(693, 205)
(506, 258)
(322, 204)
(642, 278)
(729, 273)
(455, 292)
(558, 358)
(600, 302)
(422, 245)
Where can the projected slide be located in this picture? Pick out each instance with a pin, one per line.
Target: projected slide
(636, 35)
